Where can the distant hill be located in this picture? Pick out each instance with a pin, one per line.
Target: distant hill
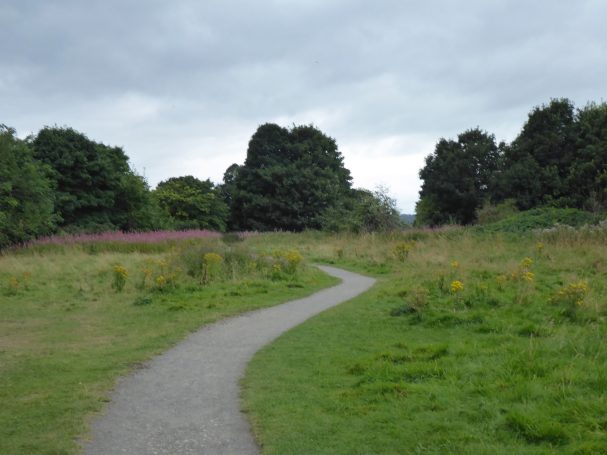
(407, 219)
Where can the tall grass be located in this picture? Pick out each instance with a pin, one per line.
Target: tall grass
(510, 360)
(71, 322)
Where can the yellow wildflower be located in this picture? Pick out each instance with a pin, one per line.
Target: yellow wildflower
(456, 286)
(526, 263)
(528, 276)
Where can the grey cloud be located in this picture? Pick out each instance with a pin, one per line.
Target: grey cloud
(369, 70)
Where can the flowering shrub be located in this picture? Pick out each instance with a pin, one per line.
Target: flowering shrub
(402, 249)
(456, 287)
(160, 282)
(276, 271)
(119, 278)
(126, 237)
(211, 266)
(293, 259)
(527, 276)
(526, 263)
(13, 285)
(572, 297)
(523, 272)
(159, 274)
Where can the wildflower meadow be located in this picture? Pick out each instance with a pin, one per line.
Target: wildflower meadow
(472, 341)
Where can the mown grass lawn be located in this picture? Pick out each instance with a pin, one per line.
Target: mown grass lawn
(512, 359)
(67, 333)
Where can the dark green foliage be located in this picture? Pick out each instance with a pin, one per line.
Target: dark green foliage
(456, 178)
(228, 187)
(227, 190)
(95, 189)
(26, 198)
(535, 166)
(289, 179)
(587, 176)
(192, 203)
(136, 209)
(559, 159)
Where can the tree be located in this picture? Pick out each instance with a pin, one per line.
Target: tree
(135, 207)
(456, 178)
(586, 179)
(192, 203)
(289, 179)
(536, 165)
(26, 197)
(227, 190)
(363, 211)
(95, 189)
(375, 211)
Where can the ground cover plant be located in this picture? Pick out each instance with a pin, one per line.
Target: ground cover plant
(75, 316)
(471, 342)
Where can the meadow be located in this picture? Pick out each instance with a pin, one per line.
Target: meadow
(471, 342)
(77, 313)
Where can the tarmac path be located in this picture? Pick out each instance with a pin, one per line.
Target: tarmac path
(186, 401)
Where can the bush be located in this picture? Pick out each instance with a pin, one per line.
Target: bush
(541, 218)
(26, 198)
(490, 213)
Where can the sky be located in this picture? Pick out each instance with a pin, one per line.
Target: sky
(183, 85)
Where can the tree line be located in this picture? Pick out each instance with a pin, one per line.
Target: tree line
(558, 159)
(292, 179)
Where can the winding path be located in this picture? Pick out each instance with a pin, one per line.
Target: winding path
(186, 401)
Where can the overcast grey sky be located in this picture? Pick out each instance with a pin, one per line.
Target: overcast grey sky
(182, 85)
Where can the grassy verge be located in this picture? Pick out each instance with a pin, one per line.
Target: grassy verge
(469, 343)
(71, 322)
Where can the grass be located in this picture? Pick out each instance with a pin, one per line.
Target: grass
(541, 218)
(513, 362)
(67, 331)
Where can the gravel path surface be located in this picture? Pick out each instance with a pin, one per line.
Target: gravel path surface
(186, 401)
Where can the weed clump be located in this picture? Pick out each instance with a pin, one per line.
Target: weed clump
(119, 276)
(401, 250)
(571, 298)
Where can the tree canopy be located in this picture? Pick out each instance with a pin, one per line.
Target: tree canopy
(26, 197)
(456, 178)
(558, 159)
(289, 179)
(94, 186)
(534, 167)
(192, 203)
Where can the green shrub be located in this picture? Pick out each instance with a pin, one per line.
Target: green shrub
(541, 218)
(490, 213)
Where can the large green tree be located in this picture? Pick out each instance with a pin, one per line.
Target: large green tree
(363, 211)
(374, 211)
(94, 186)
(26, 197)
(192, 203)
(456, 178)
(587, 176)
(536, 165)
(289, 179)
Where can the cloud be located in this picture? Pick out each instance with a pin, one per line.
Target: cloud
(183, 85)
